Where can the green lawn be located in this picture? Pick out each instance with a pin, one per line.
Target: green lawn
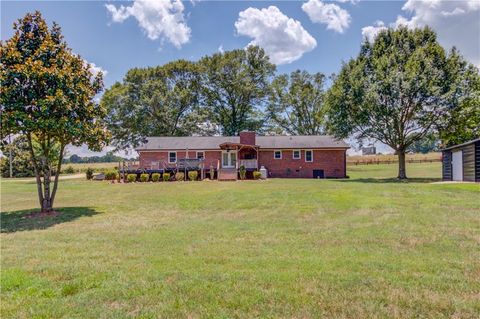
(367, 247)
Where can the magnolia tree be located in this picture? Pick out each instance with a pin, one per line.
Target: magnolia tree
(402, 87)
(47, 96)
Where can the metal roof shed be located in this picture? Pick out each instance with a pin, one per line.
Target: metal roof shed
(462, 162)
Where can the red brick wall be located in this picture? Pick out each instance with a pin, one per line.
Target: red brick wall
(247, 137)
(212, 158)
(146, 158)
(332, 162)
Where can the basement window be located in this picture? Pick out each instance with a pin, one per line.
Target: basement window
(172, 157)
(277, 154)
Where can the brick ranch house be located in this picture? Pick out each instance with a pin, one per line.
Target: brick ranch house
(282, 156)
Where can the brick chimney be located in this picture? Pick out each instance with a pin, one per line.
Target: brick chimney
(247, 137)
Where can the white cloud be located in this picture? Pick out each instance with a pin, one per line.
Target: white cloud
(220, 49)
(95, 69)
(159, 19)
(283, 38)
(332, 15)
(371, 32)
(351, 1)
(457, 23)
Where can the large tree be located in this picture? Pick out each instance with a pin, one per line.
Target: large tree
(161, 100)
(400, 88)
(235, 85)
(47, 96)
(464, 123)
(17, 151)
(296, 103)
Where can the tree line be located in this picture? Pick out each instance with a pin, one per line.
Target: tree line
(402, 87)
(221, 94)
(110, 157)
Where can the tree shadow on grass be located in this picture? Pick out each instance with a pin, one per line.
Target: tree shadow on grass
(22, 220)
(391, 180)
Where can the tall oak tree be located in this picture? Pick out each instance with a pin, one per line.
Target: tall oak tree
(235, 86)
(401, 87)
(296, 104)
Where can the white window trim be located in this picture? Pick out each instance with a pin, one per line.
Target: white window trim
(275, 151)
(299, 154)
(169, 162)
(306, 156)
(196, 154)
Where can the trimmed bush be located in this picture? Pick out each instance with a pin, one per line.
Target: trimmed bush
(69, 170)
(111, 175)
(243, 172)
(166, 177)
(257, 175)
(179, 176)
(131, 178)
(193, 175)
(155, 177)
(89, 173)
(144, 178)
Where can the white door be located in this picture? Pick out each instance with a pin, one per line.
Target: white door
(229, 159)
(457, 166)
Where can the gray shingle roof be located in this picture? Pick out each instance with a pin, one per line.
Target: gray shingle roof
(213, 142)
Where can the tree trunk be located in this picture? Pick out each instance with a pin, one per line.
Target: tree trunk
(57, 174)
(46, 205)
(402, 171)
(37, 171)
(41, 165)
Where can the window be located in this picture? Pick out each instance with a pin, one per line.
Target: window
(200, 155)
(277, 154)
(308, 156)
(297, 154)
(172, 157)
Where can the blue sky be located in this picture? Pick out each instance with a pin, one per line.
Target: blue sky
(313, 35)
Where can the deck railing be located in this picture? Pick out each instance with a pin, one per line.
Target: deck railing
(248, 163)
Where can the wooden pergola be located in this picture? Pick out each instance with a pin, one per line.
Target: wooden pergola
(229, 146)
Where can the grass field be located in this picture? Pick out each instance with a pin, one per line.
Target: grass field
(367, 247)
(359, 159)
(97, 167)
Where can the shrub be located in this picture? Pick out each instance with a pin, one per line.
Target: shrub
(193, 175)
(131, 178)
(166, 177)
(144, 178)
(89, 173)
(243, 172)
(212, 173)
(69, 170)
(257, 175)
(179, 176)
(155, 177)
(111, 175)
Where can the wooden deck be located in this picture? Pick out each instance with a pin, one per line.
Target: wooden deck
(227, 174)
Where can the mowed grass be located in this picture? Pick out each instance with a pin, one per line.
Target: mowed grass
(367, 247)
(97, 167)
(358, 159)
